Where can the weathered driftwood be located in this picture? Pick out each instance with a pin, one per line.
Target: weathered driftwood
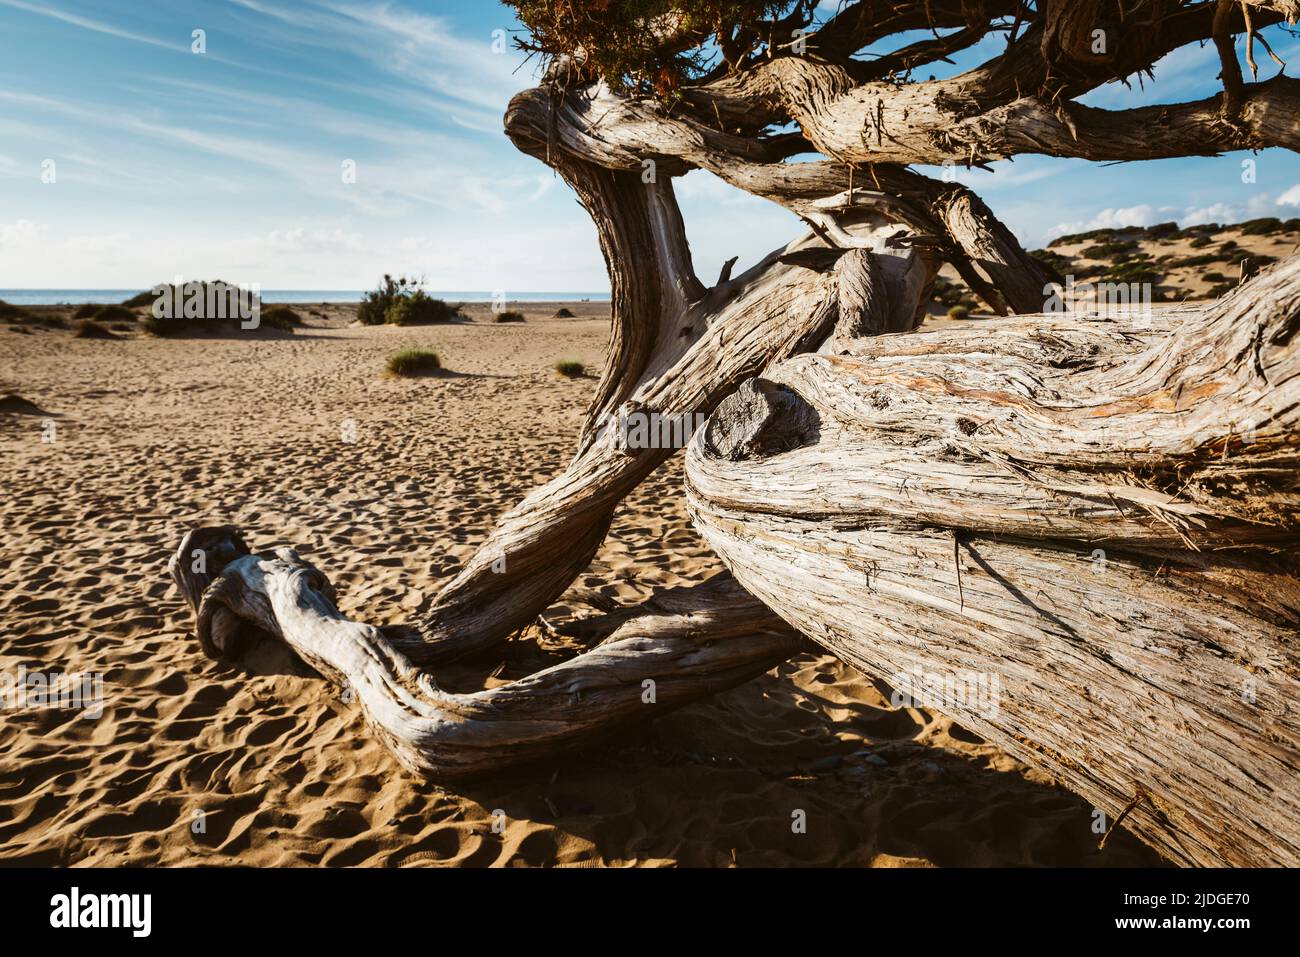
(682, 645)
(1097, 515)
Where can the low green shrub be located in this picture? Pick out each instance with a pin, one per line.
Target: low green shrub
(1089, 236)
(1090, 271)
(193, 307)
(13, 313)
(1264, 226)
(113, 314)
(280, 317)
(1110, 251)
(373, 309)
(1053, 260)
(1204, 259)
(418, 308)
(413, 362)
(1253, 260)
(90, 329)
(948, 293)
(160, 327)
(1133, 270)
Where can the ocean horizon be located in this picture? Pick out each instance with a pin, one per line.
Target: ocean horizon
(54, 297)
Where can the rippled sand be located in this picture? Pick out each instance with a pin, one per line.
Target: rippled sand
(152, 437)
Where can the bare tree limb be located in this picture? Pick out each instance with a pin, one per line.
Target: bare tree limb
(686, 644)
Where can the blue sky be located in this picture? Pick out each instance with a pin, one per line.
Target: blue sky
(229, 163)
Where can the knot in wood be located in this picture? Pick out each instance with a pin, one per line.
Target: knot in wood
(760, 419)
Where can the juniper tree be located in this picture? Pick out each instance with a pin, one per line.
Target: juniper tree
(1101, 510)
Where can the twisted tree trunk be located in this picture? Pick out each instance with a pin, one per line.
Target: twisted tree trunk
(1092, 519)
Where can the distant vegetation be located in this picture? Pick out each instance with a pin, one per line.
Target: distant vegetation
(509, 315)
(1158, 255)
(190, 311)
(280, 317)
(1268, 226)
(951, 294)
(420, 309)
(160, 327)
(17, 314)
(563, 313)
(1112, 250)
(412, 362)
(1252, 227)
(1144, 255)
(108, 314)
(90, 329)
(1136, 269)
(571, 369)
(13, 313)
(401, 302)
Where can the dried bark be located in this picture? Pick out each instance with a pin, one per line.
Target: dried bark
(1100, 512)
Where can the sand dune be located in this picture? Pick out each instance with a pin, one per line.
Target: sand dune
(154, 436)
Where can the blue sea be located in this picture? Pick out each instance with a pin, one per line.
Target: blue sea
(52, 297)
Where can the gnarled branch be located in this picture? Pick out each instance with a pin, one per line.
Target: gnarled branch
(683, 645)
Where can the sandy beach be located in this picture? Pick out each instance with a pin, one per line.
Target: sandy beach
(388, 484)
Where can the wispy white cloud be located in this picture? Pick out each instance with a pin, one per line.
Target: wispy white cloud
(1145, 214)
(382, 187)
(76, 20)
(307, 255)
(439, 68)
(1257, 206)
(427, 50)
(21, 233)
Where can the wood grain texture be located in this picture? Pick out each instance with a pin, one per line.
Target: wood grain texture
(1075, 512)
